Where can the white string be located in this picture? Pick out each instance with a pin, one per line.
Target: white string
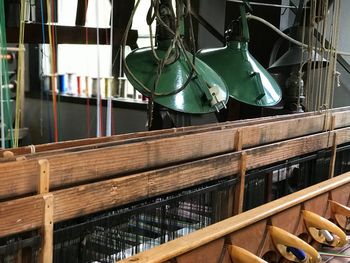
(98, 110)
(109, 84)
(32, 148)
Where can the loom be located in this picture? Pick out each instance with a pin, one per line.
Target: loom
(119, 214)
(114, 198)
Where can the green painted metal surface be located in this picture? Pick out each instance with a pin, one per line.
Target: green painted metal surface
(196, 97)
(247, 80)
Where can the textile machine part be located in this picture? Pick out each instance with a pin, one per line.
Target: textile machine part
(324, 231)
(170, 75)
(248, 81)
(341, 215)
(298, 253)
(240, 255)
(293, 248)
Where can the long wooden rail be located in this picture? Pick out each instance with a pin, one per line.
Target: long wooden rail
(248, 230)
(89, 198)
(72, 168)
(92, 143)
(69, 183)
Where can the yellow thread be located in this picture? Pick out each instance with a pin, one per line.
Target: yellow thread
(20, 73)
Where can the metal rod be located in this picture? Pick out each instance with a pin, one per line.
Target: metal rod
(265, 4)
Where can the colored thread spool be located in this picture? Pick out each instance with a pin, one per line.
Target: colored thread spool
(328, 236)
(103, 88)
(94, 86)
(87, 88)
(53, 83)
(72, 84)
(78, 85)
(62, 85)
(298, 253)
(110, 87)
(45, 83)
(121, 87)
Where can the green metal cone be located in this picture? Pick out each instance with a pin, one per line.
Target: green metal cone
(193, 98)
(247, 80)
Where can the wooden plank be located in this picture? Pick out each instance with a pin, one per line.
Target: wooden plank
(92, 142)
(89, 198)
(239, 140)
(216, 231)
(341, 112)
(333, 156)
(44, 177)
(72, 168)
(46, 252)
(68, 35)
(21, 215)
(239, 196)
(91, 165)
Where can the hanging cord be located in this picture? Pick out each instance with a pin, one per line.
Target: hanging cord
(88, 125)
(53, 61)
(98, 100)
(42, 67)
(333, 62)
(54, 57)
(320, 82)
(5, 98)
(20, 72)
(176, 42)
(300, 73)
(109, 83)
(48, 112)
(292, 40)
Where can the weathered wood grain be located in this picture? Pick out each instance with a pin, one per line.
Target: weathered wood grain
(92, 143)
(89, 198)
(247, 220)
(66, 169)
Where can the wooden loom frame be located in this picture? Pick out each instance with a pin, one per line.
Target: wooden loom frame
(207, 244)
(143, 178)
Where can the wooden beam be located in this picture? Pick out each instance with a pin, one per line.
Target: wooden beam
(104, 141)
(197, 239)
(44, 177)
(46, 252)
(333, 156)
(239, 196)
(67, 35)
(81, 12)
(90, 198)
(93, 165)
(94, 143)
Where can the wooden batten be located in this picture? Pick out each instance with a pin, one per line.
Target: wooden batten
(44, 177)
(239, 229)
(79, 167)
(91, 143)
(89, 198)
(239, 195)
(333, 156)
(46, 252)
